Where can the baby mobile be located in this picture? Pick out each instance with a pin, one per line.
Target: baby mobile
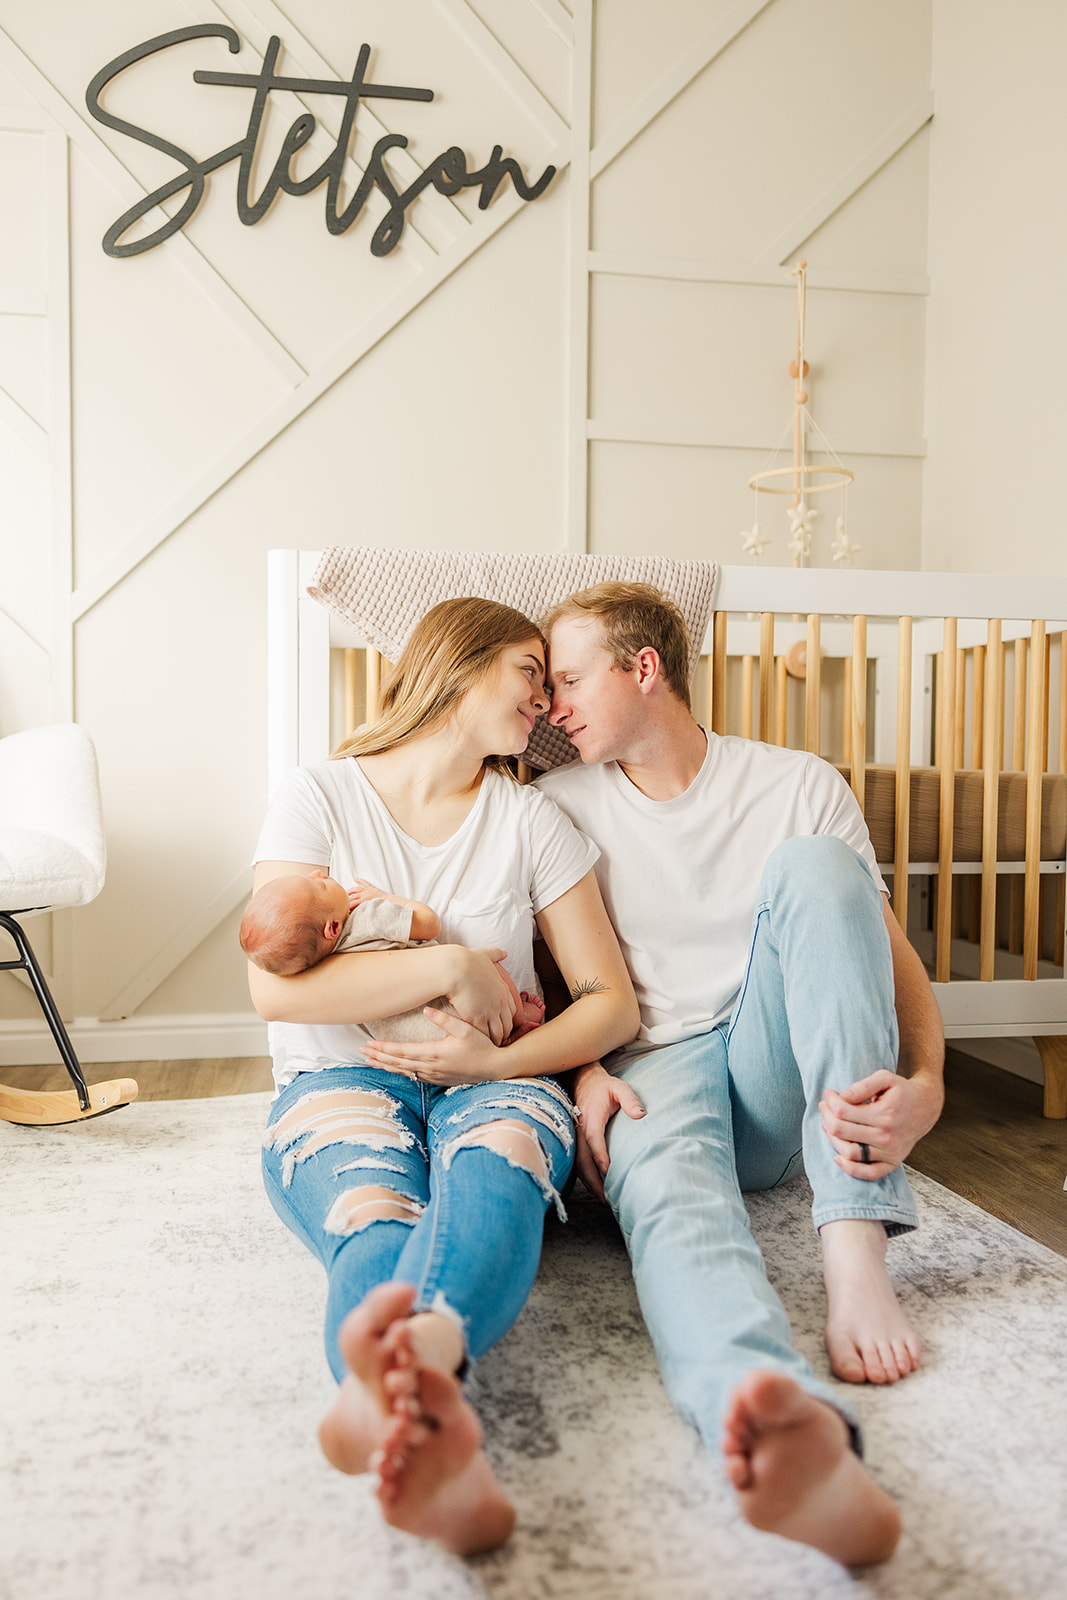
(805, 479)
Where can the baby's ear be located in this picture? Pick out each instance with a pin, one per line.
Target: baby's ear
(332, 930)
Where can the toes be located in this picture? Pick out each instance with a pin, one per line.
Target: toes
(372, 1318)
(846, 1362)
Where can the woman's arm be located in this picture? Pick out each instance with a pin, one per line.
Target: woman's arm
(362, 985)
(603, 1013)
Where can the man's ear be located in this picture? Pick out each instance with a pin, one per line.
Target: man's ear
(646, 669)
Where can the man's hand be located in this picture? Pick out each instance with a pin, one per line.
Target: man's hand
(481, 993)
(462, 1055)
(598, 1097)
(886, 1112)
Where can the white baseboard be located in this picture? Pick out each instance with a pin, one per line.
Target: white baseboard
(25, 1043)
(1019, 1056)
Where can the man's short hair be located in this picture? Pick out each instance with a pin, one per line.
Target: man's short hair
(632, 617)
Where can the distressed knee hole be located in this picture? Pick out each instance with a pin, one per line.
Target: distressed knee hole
(515, 1143)
(559, 1119)
(357, 1209)
(322, 1118)
(514, 1140)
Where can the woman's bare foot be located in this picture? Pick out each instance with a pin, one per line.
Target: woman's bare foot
(434, 1480)
(359, 1417)
(401, 1413)
(868, 1337)
(789, 1459)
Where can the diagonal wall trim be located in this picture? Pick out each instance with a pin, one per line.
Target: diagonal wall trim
(834, 196)
(711, 43)
(292, 406)
(557, 18)
(504, 68)
(19, 640)
(177, 949)
(22, 425)
(109, 167)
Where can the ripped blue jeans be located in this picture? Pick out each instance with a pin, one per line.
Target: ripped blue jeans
(384, 1178)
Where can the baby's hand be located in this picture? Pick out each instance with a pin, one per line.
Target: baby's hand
(360, 891)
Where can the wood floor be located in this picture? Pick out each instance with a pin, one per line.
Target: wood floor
(992, 1145)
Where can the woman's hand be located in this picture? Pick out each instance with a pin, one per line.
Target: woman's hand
(462, 1055)
(481, 994)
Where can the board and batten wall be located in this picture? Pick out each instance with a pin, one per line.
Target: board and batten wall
(600, 369)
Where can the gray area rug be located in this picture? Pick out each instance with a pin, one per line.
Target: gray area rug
(163, 1377)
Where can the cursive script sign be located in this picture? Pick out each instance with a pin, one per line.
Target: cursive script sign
(447, 173)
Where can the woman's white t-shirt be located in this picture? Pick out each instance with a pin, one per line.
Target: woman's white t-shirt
(513, 854)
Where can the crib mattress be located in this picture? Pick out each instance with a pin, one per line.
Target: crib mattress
(880, 806)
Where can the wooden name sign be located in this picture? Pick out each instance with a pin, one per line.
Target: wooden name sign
(447, 173)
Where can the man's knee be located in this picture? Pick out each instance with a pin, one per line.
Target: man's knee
(817, 866)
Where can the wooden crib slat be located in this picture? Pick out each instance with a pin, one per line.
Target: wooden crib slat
(1063, 702)
(947, 757)
(1003, 681)
(718, 674)
(348, 658)
(1018, 724)
(903, 806)
(781, 702)
(374, 685)
(1048, 697)
(978, 707)
(748, 669)
(1034, 769)
(994, 716)
(960, 706)
(813, 688)
(859, 708)
(846, 732)
(766, 676)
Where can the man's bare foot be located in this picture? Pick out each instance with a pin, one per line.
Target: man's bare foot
(434, 1480)
(868, 1337)
(789, 1459)
(359, 1417)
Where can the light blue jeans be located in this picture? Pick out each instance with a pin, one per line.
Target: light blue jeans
(737, 1109)
(385, 1178)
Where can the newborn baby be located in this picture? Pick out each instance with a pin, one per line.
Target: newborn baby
(293, 922)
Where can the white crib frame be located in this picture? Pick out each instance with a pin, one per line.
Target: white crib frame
(301, 634)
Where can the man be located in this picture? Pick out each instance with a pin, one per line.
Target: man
(744, 890)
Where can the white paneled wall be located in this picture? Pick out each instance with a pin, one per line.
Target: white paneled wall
(597, 369)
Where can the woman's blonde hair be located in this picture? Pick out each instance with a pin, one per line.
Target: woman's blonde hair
(453, 648)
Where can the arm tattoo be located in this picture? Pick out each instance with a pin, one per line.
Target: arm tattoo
(588, 986)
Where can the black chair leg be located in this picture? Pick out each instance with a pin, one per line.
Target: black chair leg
(28, 963)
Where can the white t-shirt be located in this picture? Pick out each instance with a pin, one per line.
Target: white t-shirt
(512, 855)
(679, 877)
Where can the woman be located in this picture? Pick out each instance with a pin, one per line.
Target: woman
(426, 1202)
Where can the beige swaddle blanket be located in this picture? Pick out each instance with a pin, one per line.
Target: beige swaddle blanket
(383, 594)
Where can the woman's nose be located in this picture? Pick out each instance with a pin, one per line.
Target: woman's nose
(542, 700)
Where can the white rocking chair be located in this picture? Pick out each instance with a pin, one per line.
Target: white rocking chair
(52, 855)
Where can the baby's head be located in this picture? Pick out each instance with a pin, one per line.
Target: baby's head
(292, 922)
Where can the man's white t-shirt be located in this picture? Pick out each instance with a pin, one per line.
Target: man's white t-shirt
(680, 877)
(512, 855)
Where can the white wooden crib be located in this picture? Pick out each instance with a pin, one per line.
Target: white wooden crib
(953, 687)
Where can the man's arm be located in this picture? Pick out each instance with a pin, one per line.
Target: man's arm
(890, 1112)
